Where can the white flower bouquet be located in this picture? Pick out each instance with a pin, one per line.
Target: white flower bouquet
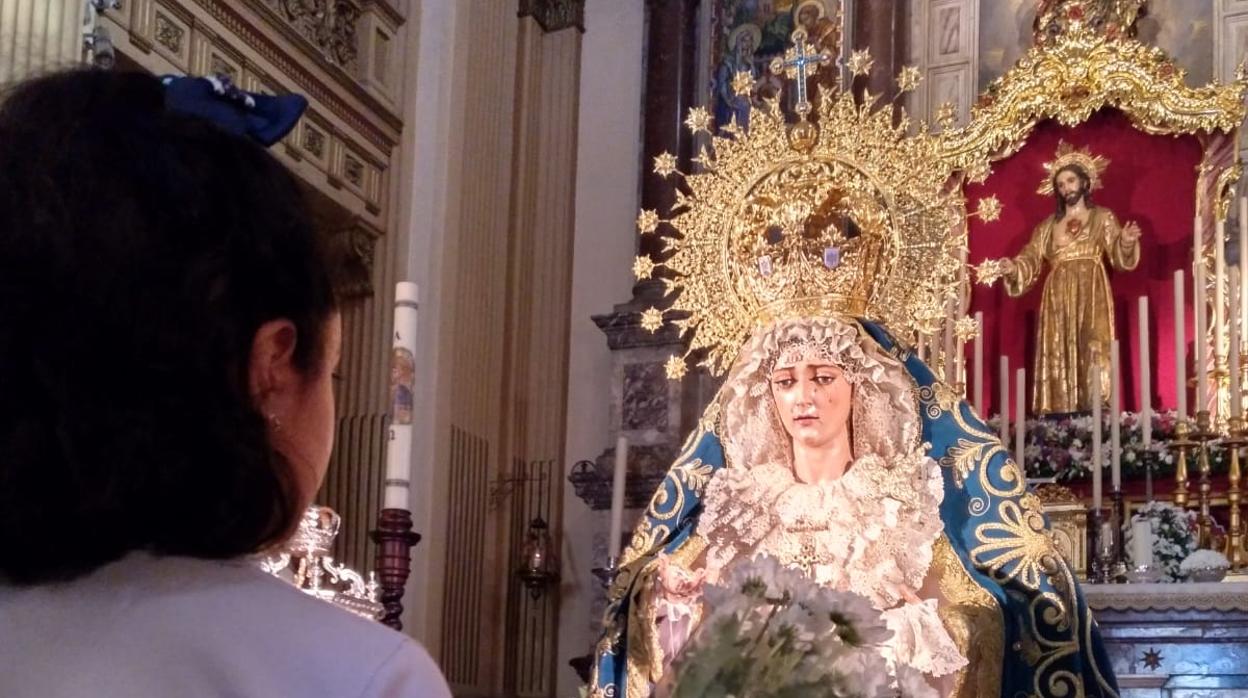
(1174, 536)
(770, 632)
(1205, 566)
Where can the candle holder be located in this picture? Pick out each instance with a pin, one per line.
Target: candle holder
(606, 574)
(1203, 435)
(1180, 444)
(1101, 546)
(394, 538)
(1118, 513)
(1236, 439)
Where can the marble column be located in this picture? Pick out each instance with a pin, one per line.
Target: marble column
(883, 29)
(39, 35)
(670, 89)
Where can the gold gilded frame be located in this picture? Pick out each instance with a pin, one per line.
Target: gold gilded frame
(1073, 75)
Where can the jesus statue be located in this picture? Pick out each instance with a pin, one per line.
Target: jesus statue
(1076, 324)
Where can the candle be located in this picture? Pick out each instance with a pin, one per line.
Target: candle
(949, 375)
(959, 361)
(402, 397)
(1146, 376)
(1004, 405)
(1200, 336)
(919, 349)
(1020, 416)
(979, 363)
(1180, 345)
(617, 497)
(1142, 543)
(1237, 395)
(1219, 286)
(1243, 263)
(1115, 419)
(1096, 436)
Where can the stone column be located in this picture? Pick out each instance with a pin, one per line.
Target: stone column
(881, 27)
(38, 36)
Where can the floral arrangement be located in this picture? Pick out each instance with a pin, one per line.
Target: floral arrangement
(1060, 447)
(1204, 560)
(1174, 536)
(771, 632)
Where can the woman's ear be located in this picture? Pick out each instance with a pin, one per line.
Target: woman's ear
(271, 371)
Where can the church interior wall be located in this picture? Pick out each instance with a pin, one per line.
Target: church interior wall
(607, 198)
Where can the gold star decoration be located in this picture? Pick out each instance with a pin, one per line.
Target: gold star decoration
(651, 320)
(742, 83)
(977, 173)
(945, 114)
(1152, 658)
(675, 367)
(860, 62)
(989, 208)
(909, 78)
(664, 164)
(966, 328)
(647, 220)
(698, 120)
(643, 267)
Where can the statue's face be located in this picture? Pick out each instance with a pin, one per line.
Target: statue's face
(807, 17)
(814, 400)
(1069, 186)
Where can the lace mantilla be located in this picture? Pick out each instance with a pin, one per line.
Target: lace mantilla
(871, 532)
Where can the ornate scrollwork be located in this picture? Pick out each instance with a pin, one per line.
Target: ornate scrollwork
(329, 24)
(1079, 72)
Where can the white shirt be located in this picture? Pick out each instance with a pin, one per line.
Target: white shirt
(147, 626)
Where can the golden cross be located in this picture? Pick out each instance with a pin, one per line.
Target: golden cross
(800, 63)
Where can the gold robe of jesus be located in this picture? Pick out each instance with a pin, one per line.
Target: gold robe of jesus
(1076, 310)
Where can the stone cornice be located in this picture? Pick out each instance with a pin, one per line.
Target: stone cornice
(384, 136)
(555, 15)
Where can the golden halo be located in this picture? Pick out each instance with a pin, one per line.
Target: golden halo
(1066, 154)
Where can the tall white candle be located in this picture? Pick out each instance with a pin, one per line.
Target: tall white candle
(1096, 436)
(1180, 344)
(1142, 543)
(950, 377)
(1243, 263)
(1115, 418)
(979, 363)
(1200, 338)
(1219, 287)
(1146, 376)
(1020, 417)
(618, 483)
(402, 397)
(1004, 403)
(1237, 394)
(920, 348)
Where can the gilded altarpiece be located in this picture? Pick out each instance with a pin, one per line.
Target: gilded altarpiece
(1093, 82)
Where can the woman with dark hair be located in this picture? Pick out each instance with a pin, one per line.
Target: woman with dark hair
(167, 341)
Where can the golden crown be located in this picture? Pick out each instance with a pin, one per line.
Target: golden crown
(841, 212)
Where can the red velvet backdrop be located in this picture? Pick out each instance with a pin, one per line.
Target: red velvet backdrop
(1150, 180)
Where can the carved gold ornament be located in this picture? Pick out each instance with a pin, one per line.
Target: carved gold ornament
(1080, 71)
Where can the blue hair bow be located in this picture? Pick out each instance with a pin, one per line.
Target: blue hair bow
(265, 119)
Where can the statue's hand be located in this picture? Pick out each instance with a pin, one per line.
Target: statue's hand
(1130, 232)
(1007, 266)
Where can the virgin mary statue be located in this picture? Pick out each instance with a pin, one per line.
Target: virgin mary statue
(831, 449)
(834, 450)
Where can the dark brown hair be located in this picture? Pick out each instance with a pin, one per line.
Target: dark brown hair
(140, 250)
